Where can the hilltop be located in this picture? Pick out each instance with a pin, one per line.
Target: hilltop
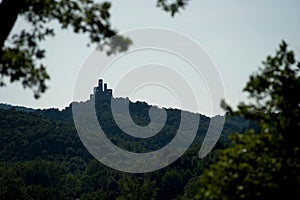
(41, 153)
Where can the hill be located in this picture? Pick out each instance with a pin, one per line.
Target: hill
(42, 156)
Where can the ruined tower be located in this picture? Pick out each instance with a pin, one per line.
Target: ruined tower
(101, 93)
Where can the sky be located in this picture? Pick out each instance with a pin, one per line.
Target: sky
(237, 35)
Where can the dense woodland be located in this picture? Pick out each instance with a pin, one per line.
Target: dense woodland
(42, 157)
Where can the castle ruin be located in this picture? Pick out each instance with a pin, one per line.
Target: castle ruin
(101, 93)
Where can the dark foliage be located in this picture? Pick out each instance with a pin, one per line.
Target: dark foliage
(42, 157)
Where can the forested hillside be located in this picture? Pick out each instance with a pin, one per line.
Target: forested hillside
(42, 157)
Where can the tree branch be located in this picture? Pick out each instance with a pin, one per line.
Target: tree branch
(9, 11)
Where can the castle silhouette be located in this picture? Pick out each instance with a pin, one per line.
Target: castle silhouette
(101, 93)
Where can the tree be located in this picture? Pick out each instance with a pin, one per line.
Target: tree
(266, 164)
(19, 56)
(12, 187)
(135, 188)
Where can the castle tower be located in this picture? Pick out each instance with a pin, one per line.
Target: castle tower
(100, 83)
(101, 93)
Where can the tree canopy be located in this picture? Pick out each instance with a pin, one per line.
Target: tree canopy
(42, 157)
(20, 53)
(263, 165)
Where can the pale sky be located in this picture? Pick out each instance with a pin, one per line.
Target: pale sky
(236, 34)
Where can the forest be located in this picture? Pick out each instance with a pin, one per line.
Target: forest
(256, 156)
(42, 156)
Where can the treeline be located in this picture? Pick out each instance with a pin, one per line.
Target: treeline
(42, 157)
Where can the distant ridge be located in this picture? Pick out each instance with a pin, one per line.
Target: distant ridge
(137, 109)
(5, 106)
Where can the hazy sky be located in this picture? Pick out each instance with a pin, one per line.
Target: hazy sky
(237, 35)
